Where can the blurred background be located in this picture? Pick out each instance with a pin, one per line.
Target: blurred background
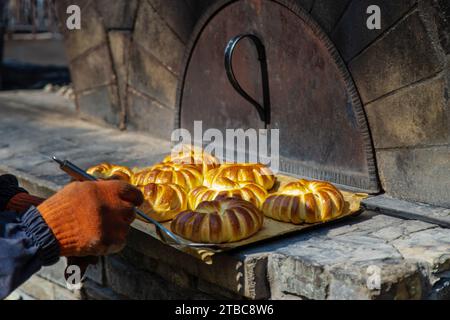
(33, 49)
(111, 92)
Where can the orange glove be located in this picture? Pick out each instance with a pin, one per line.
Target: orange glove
(91, 218)
(21, 202)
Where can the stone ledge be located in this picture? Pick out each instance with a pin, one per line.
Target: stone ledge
(409, 210)
(337, 263)
(37, 288)
(327, 263)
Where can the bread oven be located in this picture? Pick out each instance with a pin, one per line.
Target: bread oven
(268, 65)
(364, 109)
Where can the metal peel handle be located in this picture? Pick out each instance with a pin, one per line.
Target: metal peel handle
(81, 175)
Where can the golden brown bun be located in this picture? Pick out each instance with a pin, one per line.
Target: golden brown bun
(193, 156)
(163, 202)
(219, 221)
(226, 188)
(242, 172)
(304, 201)
(108, 171)
(184, 175)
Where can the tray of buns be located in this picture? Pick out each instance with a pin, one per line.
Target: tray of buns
(230, 205)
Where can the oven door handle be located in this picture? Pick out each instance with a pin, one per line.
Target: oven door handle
(264, 110)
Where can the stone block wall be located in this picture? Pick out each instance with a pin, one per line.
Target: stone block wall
(402, 74)
(126, 64)
(126, 59)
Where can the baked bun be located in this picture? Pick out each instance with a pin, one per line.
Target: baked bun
(188, 154)
(163, 202)
(219, 221)
(226, 188)
(184, 175)
(304, 201)
(245, 172)
(111, 171)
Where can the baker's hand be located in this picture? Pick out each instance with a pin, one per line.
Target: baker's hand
(91, 218)
(22, 201)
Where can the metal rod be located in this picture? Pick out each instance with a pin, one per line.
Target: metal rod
(264, 109)
(81, 175)
(163, 233)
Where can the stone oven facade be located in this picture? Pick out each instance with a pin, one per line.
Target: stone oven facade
(129, 68)
(127, 62)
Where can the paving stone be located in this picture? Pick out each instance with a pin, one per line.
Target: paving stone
(431, 246)
(60, 293)
(409, 210)
(342, 249)
(404, 229)
(66, 136)
(336, 265)
(55, 273)
(48, 284)
(419, 175)
(38, 288)
(421, 110)
(351, 34)
(401, 57)
(327, 13)
(42, 289)
(14, 296)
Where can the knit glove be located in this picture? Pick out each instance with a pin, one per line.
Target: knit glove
(91, 218)
(9, 187)
(22, 201)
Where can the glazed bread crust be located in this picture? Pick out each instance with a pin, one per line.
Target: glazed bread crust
(304, 201)
(226, 188)
(219, 221)
(163, 202)
(107, 171)
(193, 156)
(255, 173)
(184, 175)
